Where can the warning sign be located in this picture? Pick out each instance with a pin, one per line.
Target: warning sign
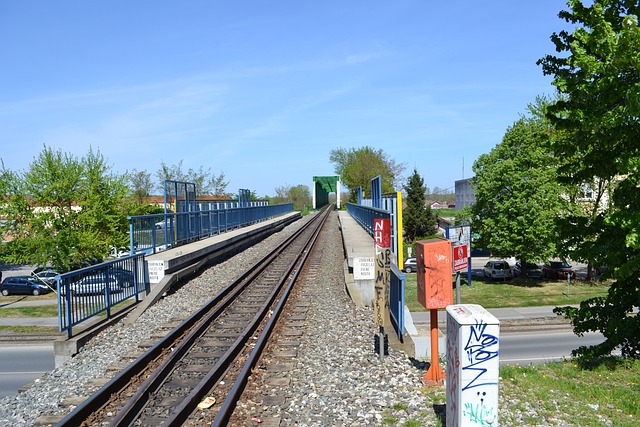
(460, 258)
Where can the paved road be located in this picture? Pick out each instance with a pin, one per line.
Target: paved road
(22, 364)
(531, 347)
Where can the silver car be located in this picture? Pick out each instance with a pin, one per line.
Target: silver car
(95, 285)
(498, 270)
(410, 265)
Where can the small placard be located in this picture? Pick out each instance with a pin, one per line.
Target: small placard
(156, 271)
(364, 268)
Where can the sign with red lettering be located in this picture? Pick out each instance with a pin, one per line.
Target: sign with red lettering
(381, 233)
(460, 258)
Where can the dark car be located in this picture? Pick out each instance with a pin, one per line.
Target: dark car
(23, 285)
(529, 269)
(558, 270)
(410, 265)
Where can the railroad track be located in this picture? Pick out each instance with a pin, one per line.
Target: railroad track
(209, 355)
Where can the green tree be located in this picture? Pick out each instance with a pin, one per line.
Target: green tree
(300, 196)
(517, 196)
(206, 182)
(358, 166)
(62, 210)
(597, 74)
(418, 220)
(141, 185)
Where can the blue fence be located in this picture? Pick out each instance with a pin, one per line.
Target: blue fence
(97, 289)
(396, 300)
(153, 233)
(365, 216)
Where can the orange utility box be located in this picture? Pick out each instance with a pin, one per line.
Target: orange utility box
(435, 286)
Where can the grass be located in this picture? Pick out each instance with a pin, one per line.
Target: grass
(36, 311)
(513, 293)
(28, 330)
(17, 298)
(606, 393)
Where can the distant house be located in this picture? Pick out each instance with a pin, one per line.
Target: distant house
(451, 204)
(435, 205)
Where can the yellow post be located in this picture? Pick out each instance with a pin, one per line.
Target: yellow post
(400, 235)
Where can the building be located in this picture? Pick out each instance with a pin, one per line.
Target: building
(465, 194)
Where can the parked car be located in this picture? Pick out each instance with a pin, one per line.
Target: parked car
(94, 285)
(410, 265)
(498, 270)
(47, 276)
(39, 270)
(529, 269)
(558, 270)
(23, 285)
(123, 276)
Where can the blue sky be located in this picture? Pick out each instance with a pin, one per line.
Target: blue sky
(263, 91)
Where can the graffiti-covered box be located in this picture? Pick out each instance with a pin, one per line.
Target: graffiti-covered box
(435, 286)
(473, 349)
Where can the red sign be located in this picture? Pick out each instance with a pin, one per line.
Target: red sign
(382, 233)
(460, 258)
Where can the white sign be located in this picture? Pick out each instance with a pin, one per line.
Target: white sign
(461, 236)
(156, 271)
(364, 268)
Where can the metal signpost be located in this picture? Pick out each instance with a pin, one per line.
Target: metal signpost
(460, 263)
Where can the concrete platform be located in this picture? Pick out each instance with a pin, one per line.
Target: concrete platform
(358, 245)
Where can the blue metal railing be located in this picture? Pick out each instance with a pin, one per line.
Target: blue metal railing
(97, 289)
(365, 216)
(396, 300)
(153, 233)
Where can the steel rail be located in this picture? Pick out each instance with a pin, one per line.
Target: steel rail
(127, 415)
(229, 404)
(119, 382)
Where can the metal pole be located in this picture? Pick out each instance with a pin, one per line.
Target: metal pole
(457, 287)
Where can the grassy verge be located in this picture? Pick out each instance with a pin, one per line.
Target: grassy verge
(513, 293)
(565, 393)
(46, 330)
(16, 298)
(36, 311)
